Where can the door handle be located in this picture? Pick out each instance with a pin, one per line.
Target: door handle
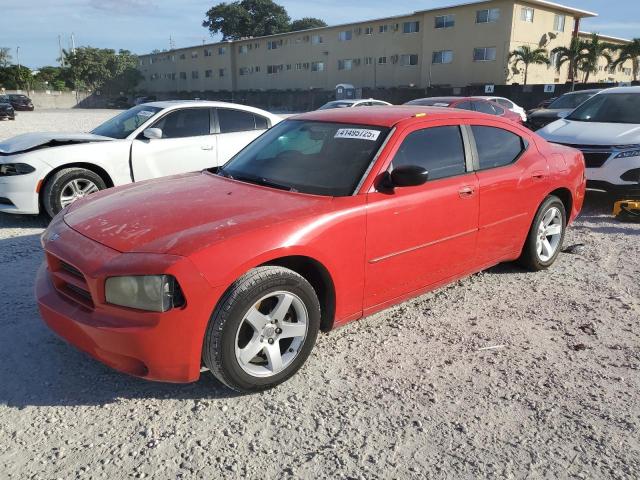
(538, 175)
(466, 192)
(207, 147)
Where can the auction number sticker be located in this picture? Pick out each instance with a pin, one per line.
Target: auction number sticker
(145, 113)
(358, 133)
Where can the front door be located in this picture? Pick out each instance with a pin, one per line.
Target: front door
(187, 145)
(423, 235)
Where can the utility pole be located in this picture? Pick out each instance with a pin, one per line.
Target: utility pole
(19, 70)
(60, 50)
(73, 43)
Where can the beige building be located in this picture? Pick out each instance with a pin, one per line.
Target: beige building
(455, 46)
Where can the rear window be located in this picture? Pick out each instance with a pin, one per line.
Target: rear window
(609, 108)
(496, 147)
(430, 102)
(319, 158)
(240, 121)
(330, 105)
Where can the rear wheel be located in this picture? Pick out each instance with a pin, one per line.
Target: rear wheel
(263, 329)
(68, 185)
(546, 235)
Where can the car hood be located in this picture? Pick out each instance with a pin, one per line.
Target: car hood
(31, 141)
(184, 213)
(591, 133)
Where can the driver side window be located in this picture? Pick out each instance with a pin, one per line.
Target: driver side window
(189, 122)
(439, 150)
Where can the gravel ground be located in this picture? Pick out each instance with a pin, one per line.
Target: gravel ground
(411, 392)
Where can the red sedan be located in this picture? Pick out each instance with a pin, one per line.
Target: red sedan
(327, 217)
(469, 103)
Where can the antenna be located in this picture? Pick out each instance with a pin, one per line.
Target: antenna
(172, 44)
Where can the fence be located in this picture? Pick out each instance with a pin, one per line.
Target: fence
(53, 99)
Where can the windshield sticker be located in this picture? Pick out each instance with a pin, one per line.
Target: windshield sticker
(145, 113)
(358, 133)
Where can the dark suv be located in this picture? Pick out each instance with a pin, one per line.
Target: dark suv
(6, 109)
(21, 102)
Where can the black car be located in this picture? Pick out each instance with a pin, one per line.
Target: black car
(20, 102)
(6, 109)
(119, 102)
(560, 107)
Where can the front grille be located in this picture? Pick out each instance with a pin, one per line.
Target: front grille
(594, 155)
(69, 281)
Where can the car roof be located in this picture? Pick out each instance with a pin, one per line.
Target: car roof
(204, 103)
(607, 91)
(385, 116)
(591, 90)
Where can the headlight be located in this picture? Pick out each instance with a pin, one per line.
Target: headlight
(155, 293)
(10, 169)
(629, 153)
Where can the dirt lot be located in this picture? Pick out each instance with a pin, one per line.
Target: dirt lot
(412, 392)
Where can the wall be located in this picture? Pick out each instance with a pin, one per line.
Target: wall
(53, 99)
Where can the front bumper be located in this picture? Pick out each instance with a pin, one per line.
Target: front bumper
(19, 194)
(155, 346)
(612, 171)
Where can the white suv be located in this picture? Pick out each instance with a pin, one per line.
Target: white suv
(52, 170)
(607, 130)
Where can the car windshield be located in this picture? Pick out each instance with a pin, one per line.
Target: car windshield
(337, 104)
(609, 108)
(18, 97)
(4, 99)
(570, 101)
(122, 125)
(318, 158)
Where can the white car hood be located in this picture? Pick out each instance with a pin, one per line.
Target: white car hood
(32, 141)
(588, 133)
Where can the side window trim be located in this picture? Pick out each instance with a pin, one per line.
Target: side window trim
(470, 153)
(155, 122)
(525, 144)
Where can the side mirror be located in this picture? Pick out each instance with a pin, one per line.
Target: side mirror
(408, 176)
(152, 133)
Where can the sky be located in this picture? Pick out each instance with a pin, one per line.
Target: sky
(144, 25)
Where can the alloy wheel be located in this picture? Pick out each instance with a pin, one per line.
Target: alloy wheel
(549, 234)
(76, 189)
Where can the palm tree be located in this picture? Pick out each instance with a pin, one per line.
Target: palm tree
(572, 55)
(592, 51)
(528, 56)
(630, 51)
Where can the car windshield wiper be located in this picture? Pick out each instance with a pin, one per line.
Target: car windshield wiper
(258, 181)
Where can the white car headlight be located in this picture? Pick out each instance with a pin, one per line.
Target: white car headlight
(629, 153)
(155, 293)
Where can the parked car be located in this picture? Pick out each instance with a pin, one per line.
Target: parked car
(365, 102)
(476, 104)
(327, 217)
(20, 102)
(6, 109)
(52, 170)
(119, 102)
(508, 104)
(546, 102)
(538, 118)
(144, 99)
(607, 130)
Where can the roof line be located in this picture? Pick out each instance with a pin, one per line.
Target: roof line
(607, 37)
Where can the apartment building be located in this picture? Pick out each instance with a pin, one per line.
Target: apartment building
(454, 46)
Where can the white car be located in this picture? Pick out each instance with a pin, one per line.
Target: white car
(607, 130)
(52, 170)
(508, 104)
(362, 102)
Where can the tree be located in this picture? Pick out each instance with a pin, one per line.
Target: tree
(528, 56)
(5, 57)
(102, 68)
(306, 23)
(593, 50)
(631, 52)
(571, 55)
(246, 18)
(15, 78)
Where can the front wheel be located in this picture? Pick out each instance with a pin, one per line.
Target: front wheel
(546, 235)
(263, 329)
(68, 185)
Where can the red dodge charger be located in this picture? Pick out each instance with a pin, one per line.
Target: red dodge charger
(327, 217)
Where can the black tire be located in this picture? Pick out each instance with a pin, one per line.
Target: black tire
(218, 351)
(52, 192)
(529, 258)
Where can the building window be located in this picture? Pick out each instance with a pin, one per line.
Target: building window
(272, 69)
(484, 54)
(411, 27)
(243, 49)
(222, 72)
(368, 60)
(208, 73)
(183, 75)
(443, 56)
(316, 39)
(257, 68)
(208, 52)
(195, 74)
(382, 60)
(183, 56)
(558, 23)
(194, 54)
(553, 59)
(345, 64)
(317, 67)
(408, 60)
(445, 21)
(222, 50)
(368, 31)
(383, 28)
(345, 36)
(489, 15)
(243, 71)
(274, 44)
(526, 14)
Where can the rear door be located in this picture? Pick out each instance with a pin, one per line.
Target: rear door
(187, 145)
(512, 182)
(236, 129)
